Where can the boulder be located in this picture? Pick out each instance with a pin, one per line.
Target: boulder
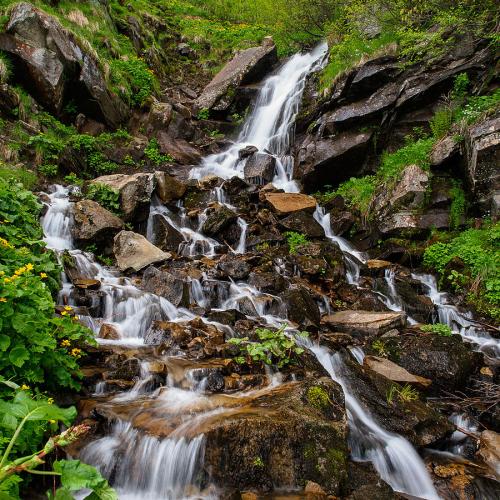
(303, 222)
(179, 149)
(267, 282)
(164, 235)
(394, 372)
(233, 267)
(246, 66)
(247, 151)
(94, 224)
(444, 151)
(447, 361)
(56, 66)
(301, 307)
(259, 168)
(482, 160)
(489, 450)
(135, 193)
(287, 203)
(218, 220)
(284, 436)
(166, 285)
(168, 187)
(133, 251)
(322, 161)
(365, 322)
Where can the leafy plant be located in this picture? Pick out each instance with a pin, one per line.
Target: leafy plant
(294, 240)
(441, 122)
(274, 347)
(48, 170)
(73, 180)
(458, 205)
(106, 197)
(203, 114)
(437, 328)
(404, 394)
(380, 348)
(152, 152)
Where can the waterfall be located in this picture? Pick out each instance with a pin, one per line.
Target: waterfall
(270, 127)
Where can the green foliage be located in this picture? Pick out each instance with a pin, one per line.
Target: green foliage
(294, 240)
(25, 420)
(458, 205)
(106, 197)
(18, 175)
(438, 329)
(152, 153)
(441, 122)
(358, 192)
(477, 251)
(5, 68)
(73, 180)
(48, 170)
(318, 397)
(258, 462)
(404, 394)
(273, 348)
(97, 162)
(203, 114)
(135, 81)
(478, 106)
(380, 348)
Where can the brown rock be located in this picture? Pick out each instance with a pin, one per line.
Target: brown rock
(489, 450)
(109, 332)
(394, 372)
(168, 187)
(365, 322)
(286, 203)
(313, 491)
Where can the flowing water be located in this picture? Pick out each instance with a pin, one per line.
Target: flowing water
(144, 466)
(270, 126)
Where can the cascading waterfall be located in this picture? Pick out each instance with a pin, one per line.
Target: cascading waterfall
(270, 127)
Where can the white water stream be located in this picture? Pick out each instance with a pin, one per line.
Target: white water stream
(270, 126)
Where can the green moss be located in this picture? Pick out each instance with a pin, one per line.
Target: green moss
(318, 398)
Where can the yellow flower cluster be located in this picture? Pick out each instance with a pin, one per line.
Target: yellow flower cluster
(65, 343)
(67, 310)
(18, 272)
(5, 243)
(75, 352)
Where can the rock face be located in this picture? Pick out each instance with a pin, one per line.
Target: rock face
(164, 235)
(247, 66)
(286, 203)
(135, 193)
(393, 372)
(259, 168)
(168, 188)
(218, 220)
(303, 222)
(166, 285)
(292, 434)
(93, 223)
(182, 152)
(489, 450)
(301, 307)
(365, 322)
(57, 67)
(133, 251)
(483, 158)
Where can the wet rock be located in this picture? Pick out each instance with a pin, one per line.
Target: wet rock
(109, 332)
(247, 66)
(133, 251)
(160, 116)
(287, 203)
(447, 361)
(408, 416)
(267, 282)
(483, 158)
(87, 284)
(234, 267)
(285, 436)
(56, 65)
(227, 317)
(247, 151)
(365, 483)
(303, 222)
(313, 491)
(135, 193)
(168, 187)
(94, 224)
(259, 168)
(336, 340)
(127, 370)
(489, 450)
(166, 285)
(376, 267)
(164, 235)
(321, 162)
(218, 220)
(89, 300)
(182, 152)
(365, 322)
(301, 307)
(341, 223)
(394, 372)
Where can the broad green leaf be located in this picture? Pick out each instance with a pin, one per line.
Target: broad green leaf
(4, 342)
(61, 494)
(18, 356)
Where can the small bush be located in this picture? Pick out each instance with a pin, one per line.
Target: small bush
(441, 122)
(203, 114)
(48, 170)
(438, 328)
(358, 192)
(294, 240)
(152, 153)
(458, 205)
(105, 196)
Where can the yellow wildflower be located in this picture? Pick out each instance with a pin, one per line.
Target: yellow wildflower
(43, 275)
(52, 421)
(29, 267)
(68, 308)
(5, 243)
(50, 401)
(75, 352)
(3, 299)
(25, 387)
(7, 280)
(64, 313)
(65, 343)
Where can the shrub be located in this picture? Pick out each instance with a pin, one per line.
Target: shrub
(152, 153)
(48, 170)
(106, 197)
(274, 347)
(203, 114)
(294, 240)
(358, 192)
(438, 329)
(441, 122)
(18, 175)
(477, 106)
(458, 205)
